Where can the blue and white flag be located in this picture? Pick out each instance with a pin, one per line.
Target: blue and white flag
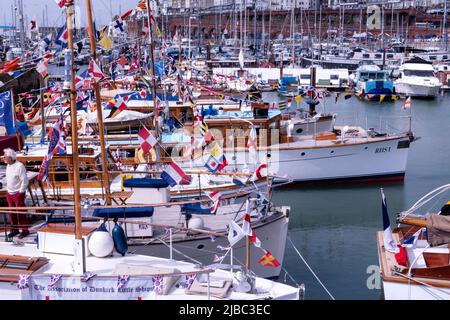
(411, 242)
(238, 180)
(389, 243)
(7, 113)
(62, 37)
(212, 164)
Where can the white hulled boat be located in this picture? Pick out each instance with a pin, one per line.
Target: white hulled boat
(417, 79)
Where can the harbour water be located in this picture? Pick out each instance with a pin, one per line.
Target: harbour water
(334, 227)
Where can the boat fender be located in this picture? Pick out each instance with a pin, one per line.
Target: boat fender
(119, 238)
(141, 157)
(101, 243)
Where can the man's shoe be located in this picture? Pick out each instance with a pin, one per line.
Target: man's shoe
(13, 233)
(23, 234)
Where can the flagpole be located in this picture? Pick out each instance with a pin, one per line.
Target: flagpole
(98, 104)
(73, 116)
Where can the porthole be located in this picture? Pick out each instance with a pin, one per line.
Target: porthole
(302, 154)
(200, 246)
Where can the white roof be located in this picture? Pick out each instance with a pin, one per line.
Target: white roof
(417, 66)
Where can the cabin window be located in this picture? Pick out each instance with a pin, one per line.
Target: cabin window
(390, 56)
(378, 56)
(334, 77)
(366, 55)
(432, 57)
(419, 73)
(305, 76)
(444, 57)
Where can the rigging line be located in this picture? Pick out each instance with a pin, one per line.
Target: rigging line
(317, 278)
(422, 283)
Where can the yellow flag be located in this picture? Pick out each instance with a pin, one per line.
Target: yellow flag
(298, 99)
(216, 151)
(105, 41)
(382, 96)
(394, 97)
(158, 32)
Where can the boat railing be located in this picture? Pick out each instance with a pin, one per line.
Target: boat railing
(391, 125)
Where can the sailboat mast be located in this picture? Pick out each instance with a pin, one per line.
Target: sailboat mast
(152, 69)
(73, 116)
(98, 103)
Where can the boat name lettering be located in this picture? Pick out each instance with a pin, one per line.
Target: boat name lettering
(383, 149)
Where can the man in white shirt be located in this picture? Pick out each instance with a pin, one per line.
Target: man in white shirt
(16, 186)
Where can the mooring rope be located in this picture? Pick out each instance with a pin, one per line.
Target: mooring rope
(311, 270)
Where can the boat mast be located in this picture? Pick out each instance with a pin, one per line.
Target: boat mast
(79, 264)
(444, 29)
(98, 103)
(152, 69)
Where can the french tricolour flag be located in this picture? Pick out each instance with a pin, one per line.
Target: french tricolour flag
(389, 243)
(174, 175)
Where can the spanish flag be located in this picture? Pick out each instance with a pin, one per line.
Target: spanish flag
(268, 260)
(347, 95)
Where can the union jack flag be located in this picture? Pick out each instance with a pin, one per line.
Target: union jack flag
(24, 281)
(122, 280)
(54, 279)
(87, 276)
(187, 281)
(158, 284)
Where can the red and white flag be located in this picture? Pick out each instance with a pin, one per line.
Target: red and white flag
(215, 197)
(95, 71)
(289, 102)
(247, 228)
(121, 103)
(407, 104)
(146, 140)
(42, 68)
(62, 3)
(251, 144)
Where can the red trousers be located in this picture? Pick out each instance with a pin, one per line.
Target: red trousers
(18, 220)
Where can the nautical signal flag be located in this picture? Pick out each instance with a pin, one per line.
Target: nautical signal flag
(407, 104)
(382, 96)
(146, 140)
(41, 67)
(389, 243)
(174, 175)
(215, 197)
(95, 71)
(347, 95)
(298, 99)
(62, 36)
(268, 260)
(212, 164)
(235, 233)
(247, 228)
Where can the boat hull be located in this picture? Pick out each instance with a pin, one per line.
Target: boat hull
(272, 234)
(360, 161)
(415, 90)
(411, 291)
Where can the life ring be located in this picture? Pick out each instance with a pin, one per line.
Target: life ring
(140, 156)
